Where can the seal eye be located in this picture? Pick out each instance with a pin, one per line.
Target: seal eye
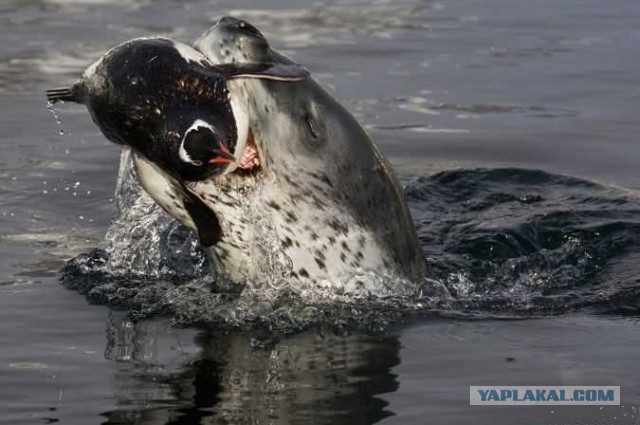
(311, 125)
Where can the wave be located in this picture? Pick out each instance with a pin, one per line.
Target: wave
(504, 242)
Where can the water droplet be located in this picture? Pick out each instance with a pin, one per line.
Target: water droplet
(56, 117)
(53, 112)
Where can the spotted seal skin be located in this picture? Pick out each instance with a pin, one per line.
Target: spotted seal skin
(326, 201)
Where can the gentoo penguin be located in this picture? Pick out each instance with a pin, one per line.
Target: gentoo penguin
(168, 103)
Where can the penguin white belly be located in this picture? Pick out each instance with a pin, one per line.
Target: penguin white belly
(163, 189)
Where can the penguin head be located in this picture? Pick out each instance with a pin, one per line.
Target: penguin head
(204, 150)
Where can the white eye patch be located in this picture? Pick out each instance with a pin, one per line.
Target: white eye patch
(182, 152)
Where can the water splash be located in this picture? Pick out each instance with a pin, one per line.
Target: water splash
(143, 241)
(499, 242)
(152, 265)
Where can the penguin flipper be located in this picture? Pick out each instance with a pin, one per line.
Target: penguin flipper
(265, 71)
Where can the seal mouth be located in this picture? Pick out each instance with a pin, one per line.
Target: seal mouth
(249, 162)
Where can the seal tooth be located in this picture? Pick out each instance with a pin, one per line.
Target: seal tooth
(241, 118)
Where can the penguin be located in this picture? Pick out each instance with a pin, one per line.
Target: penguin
(169, 104)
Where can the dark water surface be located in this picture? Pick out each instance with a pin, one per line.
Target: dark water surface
(485, 108)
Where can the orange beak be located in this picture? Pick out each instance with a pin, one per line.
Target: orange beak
(222, 155)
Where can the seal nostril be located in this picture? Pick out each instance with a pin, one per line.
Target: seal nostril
(249, 29)
(239, 25)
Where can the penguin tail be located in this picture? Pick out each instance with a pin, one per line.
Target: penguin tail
(65, 94)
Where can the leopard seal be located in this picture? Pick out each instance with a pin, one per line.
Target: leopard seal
(328, 199)
(311, 204)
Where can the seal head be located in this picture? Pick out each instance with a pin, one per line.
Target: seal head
(329, 202)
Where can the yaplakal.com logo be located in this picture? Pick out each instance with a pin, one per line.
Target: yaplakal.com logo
(538, 395)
